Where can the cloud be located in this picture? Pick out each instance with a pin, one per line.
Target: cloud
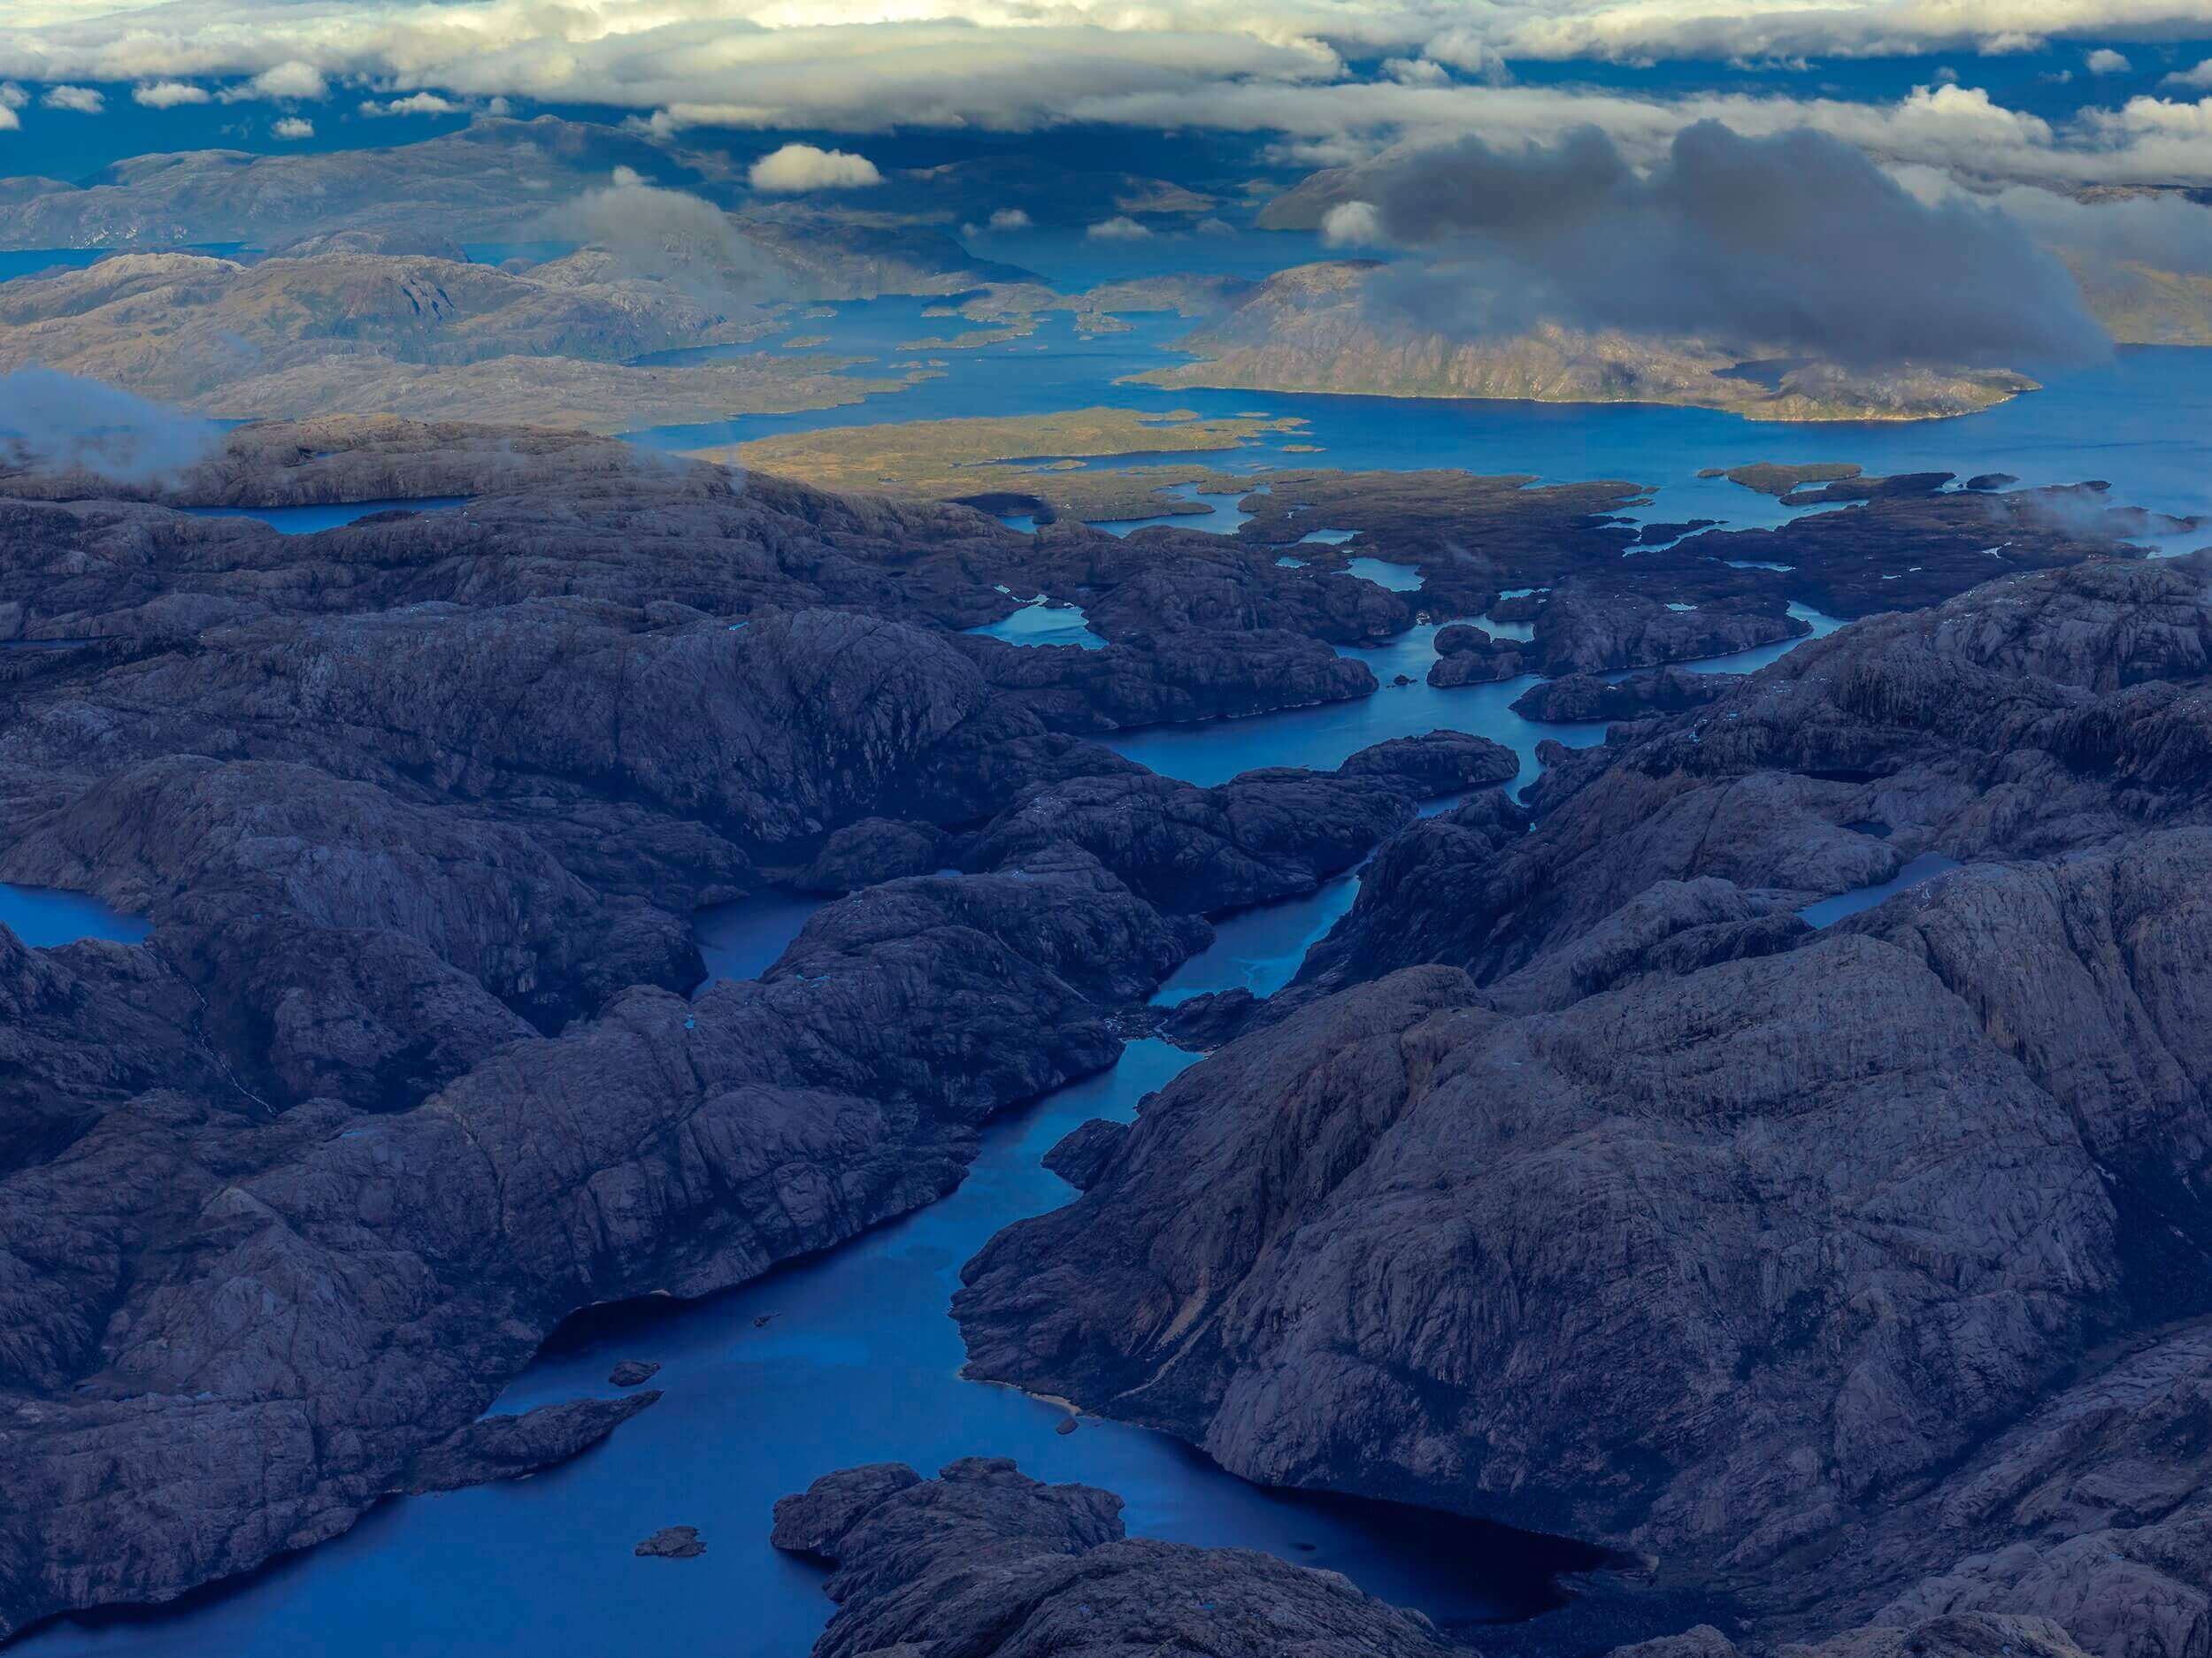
(2200, 76)
(2164, 232)
(1463, 48)
(50, 420)
(293, 127)
(1352, 225)
(11, 99)
(1794, 244)
(290, 80)
(1010, 219)
(1121, 227)
(1302, 70)
(2104, 61)
(797, 167)
(167, 95)
(80, 100)
(415, 103)
(642, 232)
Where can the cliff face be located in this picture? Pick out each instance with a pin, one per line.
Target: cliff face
(1330, 328)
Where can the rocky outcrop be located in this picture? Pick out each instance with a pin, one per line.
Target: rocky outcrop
(672, 1542)
(1081, 1155)
(1466, 654)
(873, 849)
(1585, 697)
(1970, 1636)
(1857, 1273)
(1437, 764)
(1587, 627)
(501, 1447)
(984, 1558)
(1405, 1136)
(1263, 835)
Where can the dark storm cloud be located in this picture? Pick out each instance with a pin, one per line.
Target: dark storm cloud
(1795, 243)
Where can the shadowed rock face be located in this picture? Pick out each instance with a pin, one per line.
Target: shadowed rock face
(1407, 1267)
(1859, 1272)
(983, 1559)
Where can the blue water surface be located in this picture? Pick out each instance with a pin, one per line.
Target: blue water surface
(44, 917)
(1914, 871)
(327, 516)
(1039, 622)
(742, 939)
(2141, 420)
(36, 261)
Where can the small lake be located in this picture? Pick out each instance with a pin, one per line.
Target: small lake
(46, 917)
(329, 516)
(45, 261)
(1041, 622)
(742, 940)
(1324, 737)
(1927, 866)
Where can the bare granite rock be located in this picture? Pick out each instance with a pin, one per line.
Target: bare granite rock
(672, 1542)
(984, 1558)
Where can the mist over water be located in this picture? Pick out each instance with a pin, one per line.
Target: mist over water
(52, 421)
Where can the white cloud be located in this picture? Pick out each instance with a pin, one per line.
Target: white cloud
(1463, 48)
(2104, 61)
(290, 80)
(12, 98)
(1010, 219)
(415, 103)
(293, 127)
(2200, 76)
(79, 100)
(1352, 225)
(803, 167)
(1417, 72)
(1274, 67)
(167, 95)
(1121, 227)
